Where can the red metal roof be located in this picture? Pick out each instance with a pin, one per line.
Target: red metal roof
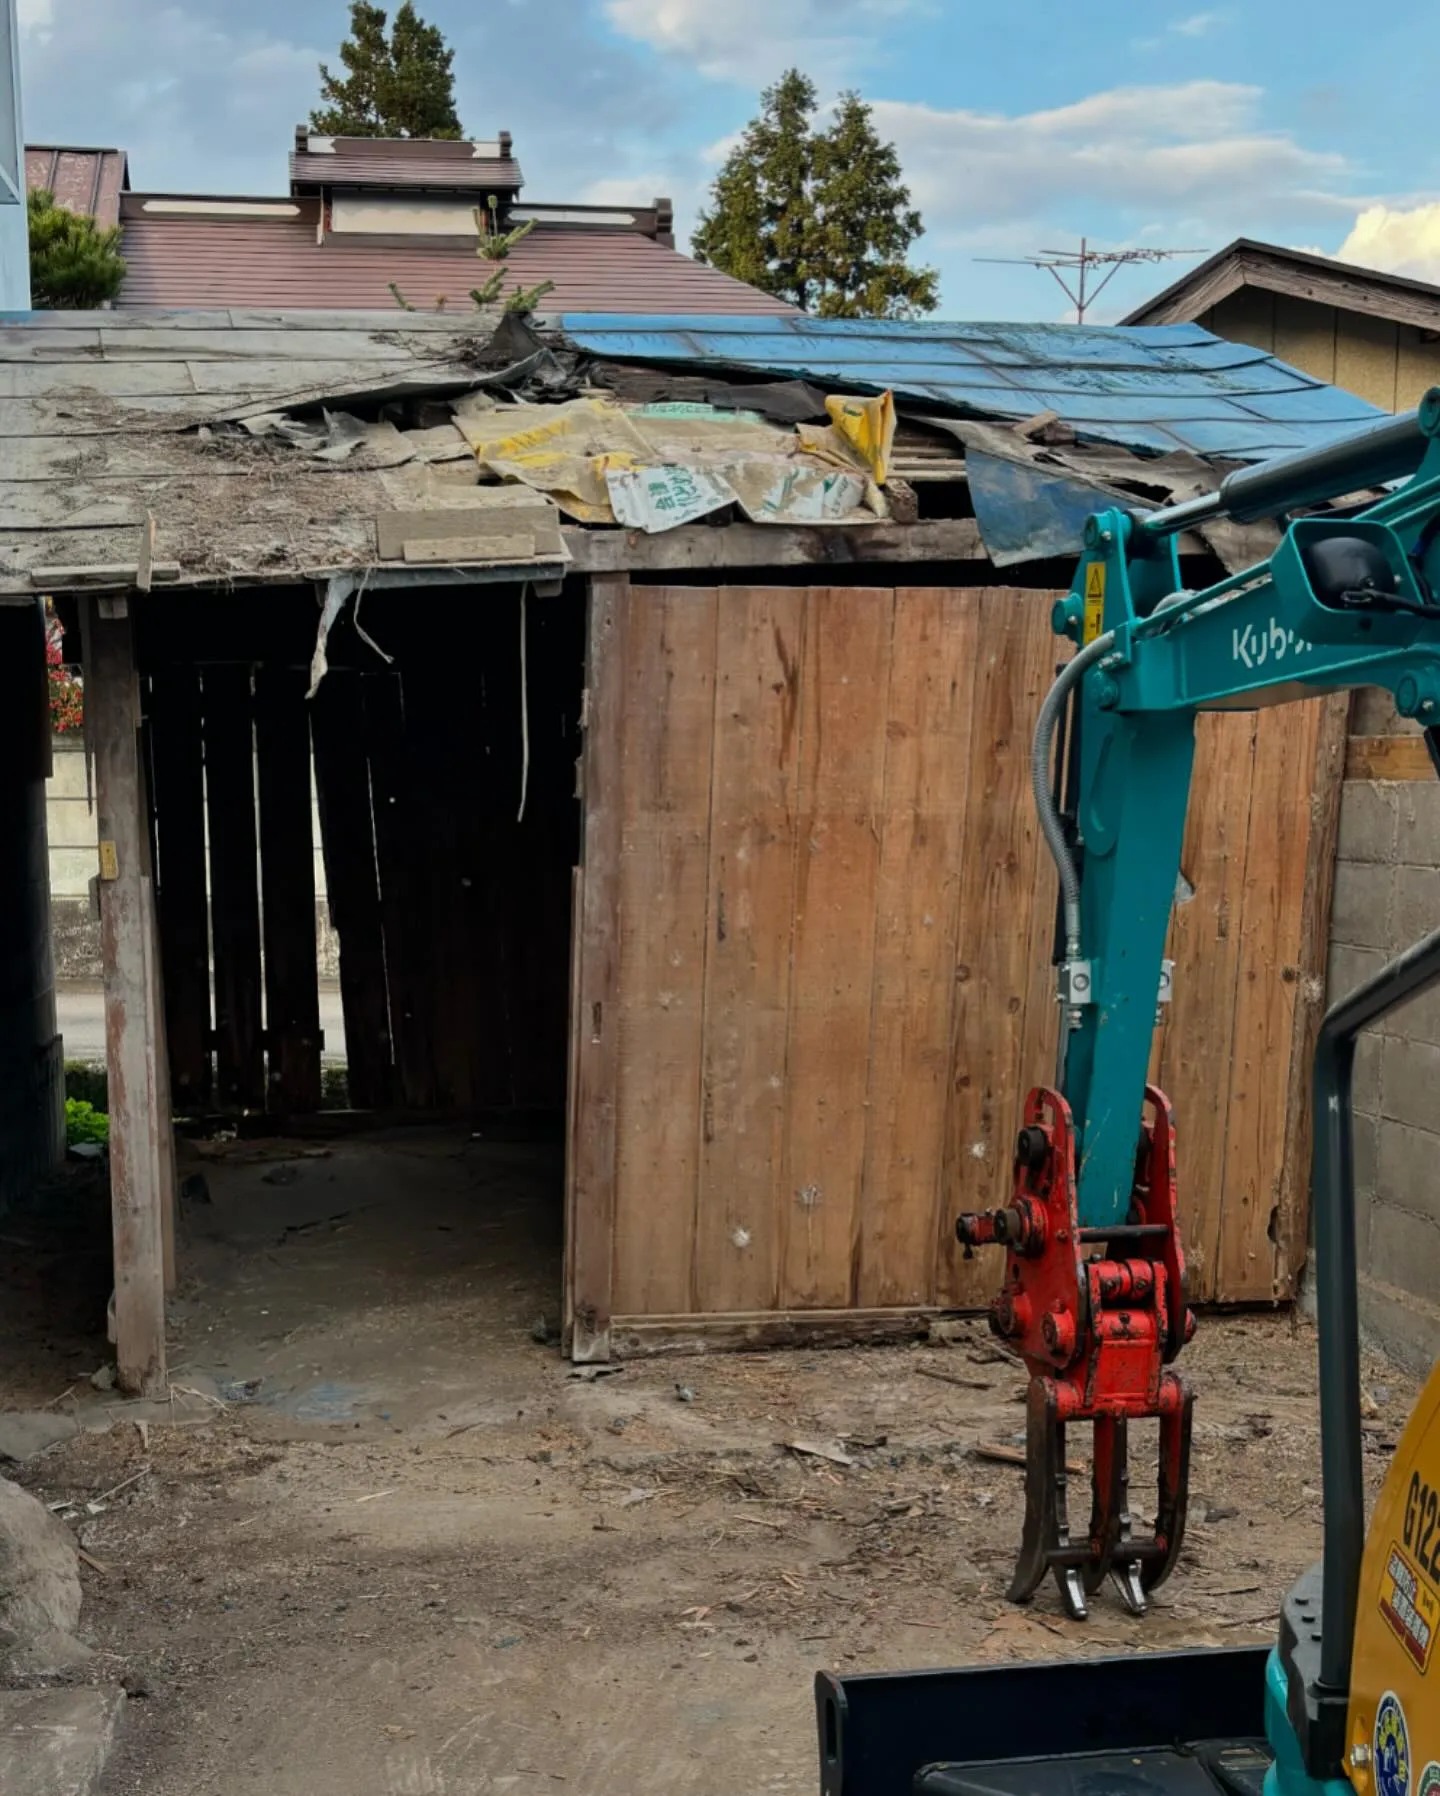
(402, 162)
(175, 261)
(87, 181)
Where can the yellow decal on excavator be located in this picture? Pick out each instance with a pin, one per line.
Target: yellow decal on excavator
(1394, 1686)
(1094, 600)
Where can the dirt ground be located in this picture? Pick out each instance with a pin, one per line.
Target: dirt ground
(382, 1539)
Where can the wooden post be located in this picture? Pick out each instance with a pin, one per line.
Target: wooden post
(596, 1018)
(137, 1191)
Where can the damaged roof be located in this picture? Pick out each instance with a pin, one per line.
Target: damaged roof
(89, 182)
(1149, 389)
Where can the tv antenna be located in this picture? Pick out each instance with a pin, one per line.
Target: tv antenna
(1073, 269)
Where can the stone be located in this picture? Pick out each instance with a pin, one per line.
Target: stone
(24, 1433)
(56, 1742)
(39, 1588)
(1369, 821)
(1360, 906)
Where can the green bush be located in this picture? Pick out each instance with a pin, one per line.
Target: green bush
(84, 1079)
(83, 1122)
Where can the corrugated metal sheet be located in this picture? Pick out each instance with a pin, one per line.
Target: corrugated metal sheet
(87, 181)
(1151, 389)
(178, 262)
(385, 162)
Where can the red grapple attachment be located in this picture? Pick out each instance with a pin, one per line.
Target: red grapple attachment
(1097, 1314)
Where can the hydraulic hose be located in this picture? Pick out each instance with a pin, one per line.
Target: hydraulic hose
(1050, 825)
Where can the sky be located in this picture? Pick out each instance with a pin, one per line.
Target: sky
(1021, 124)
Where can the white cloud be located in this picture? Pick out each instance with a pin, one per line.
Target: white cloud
(1199, 24)
(1399, 240)
(753, 40)
(1192, 154)
(35, 15)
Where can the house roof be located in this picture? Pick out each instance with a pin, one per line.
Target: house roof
(1148, 389)
(1274, 269)
(415, 163)
(287, 262)
(87, 181)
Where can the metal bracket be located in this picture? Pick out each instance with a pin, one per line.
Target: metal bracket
(1076, 984)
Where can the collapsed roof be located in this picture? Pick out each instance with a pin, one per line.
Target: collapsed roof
(230, 448)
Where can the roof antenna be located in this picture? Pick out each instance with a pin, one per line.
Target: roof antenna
(1082, 263)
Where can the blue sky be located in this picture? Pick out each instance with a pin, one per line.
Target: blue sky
(1021, 125)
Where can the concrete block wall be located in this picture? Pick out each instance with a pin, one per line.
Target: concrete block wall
(73, 857)
(1387, 895)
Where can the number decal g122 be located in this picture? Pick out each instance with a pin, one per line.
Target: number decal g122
(1422, 1524)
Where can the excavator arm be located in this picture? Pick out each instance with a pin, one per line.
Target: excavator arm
(1094, 1291)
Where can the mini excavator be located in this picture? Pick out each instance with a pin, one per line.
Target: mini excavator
(1348, 1701)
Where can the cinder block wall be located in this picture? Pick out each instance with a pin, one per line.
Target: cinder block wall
(1387, 895)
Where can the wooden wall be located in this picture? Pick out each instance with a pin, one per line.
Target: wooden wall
(1392, 365)
(834, 920)
(452, 911)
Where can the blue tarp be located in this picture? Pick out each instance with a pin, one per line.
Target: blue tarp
(1148, 388)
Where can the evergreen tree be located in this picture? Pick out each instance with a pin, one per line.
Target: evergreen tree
(75, 265)
(402, 85)
(820, 217)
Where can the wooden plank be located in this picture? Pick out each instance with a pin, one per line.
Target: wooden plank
(669, 686)
(182, 899)
(572, 1105)
(115, 380)
(698, 548)
(287, 886)
(352, 883)
(234, 886)
(395, 529)
(136, 1188)
(1276, 873)
(1305, 335)
(1367, 356)
(1292, 1231)
(644, 1337)
(844, 695)
(928, 771)
(404, 899)
(1388, 758)
(161, 1114)
(760, 651)
(1204, 942)
(461, 550)
(994, 930)
(590, 1249)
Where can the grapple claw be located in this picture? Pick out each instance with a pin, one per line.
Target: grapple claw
(1096, 1334)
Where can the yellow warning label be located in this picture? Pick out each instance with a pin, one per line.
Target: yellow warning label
(109, 861)
(1094, 600)
(1410, 1606)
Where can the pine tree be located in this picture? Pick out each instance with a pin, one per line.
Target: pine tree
(402, 85)
(75, 265)
(821, 218)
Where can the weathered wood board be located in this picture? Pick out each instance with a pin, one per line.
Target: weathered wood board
(834, 921)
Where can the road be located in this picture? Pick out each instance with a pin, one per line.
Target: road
(80, 1009)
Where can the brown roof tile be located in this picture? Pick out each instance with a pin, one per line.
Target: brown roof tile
(276, 262)
(402, 162)
(87, 181)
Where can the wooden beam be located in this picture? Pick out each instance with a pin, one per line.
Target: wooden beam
(287, 885)
(596, 1018)
(640, 1337)
(131, 1045)
(1388, 758)
(234, 888)
(698, 547)
(179, 798)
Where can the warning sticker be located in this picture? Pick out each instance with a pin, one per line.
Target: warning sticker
(1430, 1780)
(1410, 1606)
(1094, 600)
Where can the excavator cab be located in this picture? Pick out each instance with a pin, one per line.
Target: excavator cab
(1347, 1702)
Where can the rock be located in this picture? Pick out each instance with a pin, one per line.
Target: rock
(39, 1587)
(283, 1174)
(56, 1742)
(104, 1378)
(24, 1433)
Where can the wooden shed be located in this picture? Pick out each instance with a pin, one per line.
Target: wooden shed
(715, 841)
